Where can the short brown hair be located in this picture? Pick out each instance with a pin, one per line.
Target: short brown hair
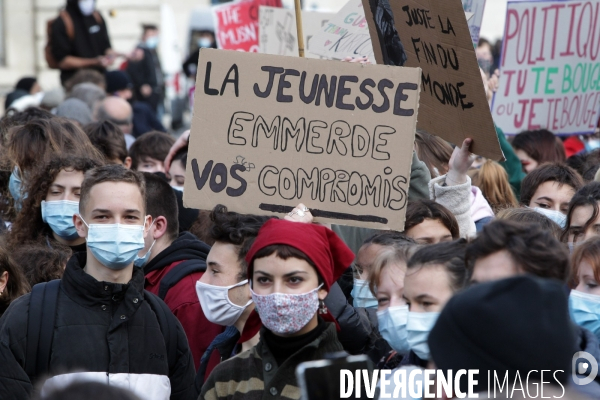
(150, 145)
(111, 173)
(529, 216)
(419, 210)
(451, 255)
(590, 251)
(536, 251)
(237, 229)
(555, 172)
(108, 138)
(541, 145)
(161, 201)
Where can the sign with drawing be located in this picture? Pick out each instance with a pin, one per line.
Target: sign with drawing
(270, 132)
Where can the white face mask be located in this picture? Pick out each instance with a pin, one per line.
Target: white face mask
(216, 305)
(556, 216)
(87, 7)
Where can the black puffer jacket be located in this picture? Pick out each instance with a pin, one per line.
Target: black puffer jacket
(103, 331)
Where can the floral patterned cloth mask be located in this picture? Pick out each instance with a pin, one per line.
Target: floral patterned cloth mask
(286, 313)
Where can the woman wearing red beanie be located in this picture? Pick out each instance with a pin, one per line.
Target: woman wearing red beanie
(292, 267)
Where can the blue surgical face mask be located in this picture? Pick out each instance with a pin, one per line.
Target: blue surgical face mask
(59, 215)
(141, 262)
(152, 42)
(205, 42)
(418, 327)
(585, 310)
(115, 245)
(362, 295)
(392, 326)
(15, 187)
(556, 216)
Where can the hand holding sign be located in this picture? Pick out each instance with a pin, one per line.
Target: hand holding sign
(460, 162)
(436, 38)
(270, 132)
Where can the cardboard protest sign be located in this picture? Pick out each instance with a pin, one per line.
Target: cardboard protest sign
(435, 37)
(236, 24)
(278, 34)
(474, 11)
(550, 68)
(270, 132)
(345, 35)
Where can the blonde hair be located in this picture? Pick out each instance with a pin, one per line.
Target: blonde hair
(386, 256)
(492, 179)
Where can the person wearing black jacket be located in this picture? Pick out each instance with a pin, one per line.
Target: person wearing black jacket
(88, 47)
(105, 327)
(146, 71)
(173, 263)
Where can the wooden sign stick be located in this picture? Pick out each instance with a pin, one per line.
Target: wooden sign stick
(299, 28)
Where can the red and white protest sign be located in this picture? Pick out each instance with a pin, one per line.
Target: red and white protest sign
(236, 24)
(550, 67)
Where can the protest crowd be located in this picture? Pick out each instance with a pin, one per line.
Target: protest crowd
(126, 272)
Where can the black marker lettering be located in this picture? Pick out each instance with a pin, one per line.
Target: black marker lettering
(272, 71)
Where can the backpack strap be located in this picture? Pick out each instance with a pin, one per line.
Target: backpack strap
(68, 21)
(166, 320)
(179, 272)
(42, 317)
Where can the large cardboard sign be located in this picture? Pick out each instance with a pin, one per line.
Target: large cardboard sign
(236, 24)
(550, 68)
(270, 132)
(435, 37)
(345, 35)
(475, 7)
(278, 34)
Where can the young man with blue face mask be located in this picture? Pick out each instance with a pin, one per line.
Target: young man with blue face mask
(175, 262)
(105, 324)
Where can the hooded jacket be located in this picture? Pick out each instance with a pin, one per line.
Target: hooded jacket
(182, 298)
(90, 40)
(104, 332)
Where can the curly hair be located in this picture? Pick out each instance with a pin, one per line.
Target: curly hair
(17, 285)
(33, 145)
(29, 225)
(237, 229)
(41, 263)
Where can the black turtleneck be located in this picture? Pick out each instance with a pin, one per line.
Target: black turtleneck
(283, 347)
